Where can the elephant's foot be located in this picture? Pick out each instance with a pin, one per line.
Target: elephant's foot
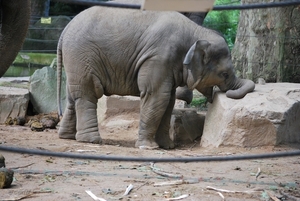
(146, 144)
(165, 142)
(90, 137)
(66, 134)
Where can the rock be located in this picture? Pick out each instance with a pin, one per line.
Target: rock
(13, 102)
(266, 117)
(35, 125)
(43, 90)
(9, 121)
(180, 104)
(19, 121)
(49, 121)
(186, 125)
(112, 105)
(6, 177)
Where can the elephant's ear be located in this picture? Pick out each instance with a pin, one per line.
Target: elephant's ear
(194, 63)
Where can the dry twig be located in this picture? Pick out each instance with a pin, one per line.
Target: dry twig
(21, 197)
(13, 168)
(272, 196)
(128, 189)
(230, 191)
(221, 195)
(179, 197)
(94, 196)
(162, 173)
(176, 182)
(257, 174)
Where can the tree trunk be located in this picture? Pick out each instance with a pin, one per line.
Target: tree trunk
(268, 43)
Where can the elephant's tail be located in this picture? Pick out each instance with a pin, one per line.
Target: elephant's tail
(59, 75)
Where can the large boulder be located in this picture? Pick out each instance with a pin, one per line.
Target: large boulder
(13, 102)
(186, 125)
(43, 90)
(266, 117)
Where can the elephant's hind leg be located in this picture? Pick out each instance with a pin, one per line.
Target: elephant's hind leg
(67, 129)
(87, 123)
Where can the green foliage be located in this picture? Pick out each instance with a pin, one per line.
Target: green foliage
(225, 22)
(199, 103)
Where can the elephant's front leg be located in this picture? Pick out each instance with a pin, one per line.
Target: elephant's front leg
(87, 123)
(153, 132)
(162, 136)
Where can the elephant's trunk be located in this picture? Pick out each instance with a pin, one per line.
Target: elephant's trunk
(240, 88)
(14, 19)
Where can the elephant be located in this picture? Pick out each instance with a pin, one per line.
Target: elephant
(108, 51)
(14, 20)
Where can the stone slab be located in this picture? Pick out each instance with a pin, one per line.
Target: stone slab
(13, 102)
(266, 117)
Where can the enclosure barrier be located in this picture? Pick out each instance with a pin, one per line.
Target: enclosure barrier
(135, 6)
(149, 159)
(184, 159)
(218, 7)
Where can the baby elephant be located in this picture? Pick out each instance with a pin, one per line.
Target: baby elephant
(149, 54)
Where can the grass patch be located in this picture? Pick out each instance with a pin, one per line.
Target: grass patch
(37, 58)
(15, 85)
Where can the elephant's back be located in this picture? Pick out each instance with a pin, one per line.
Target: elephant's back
(125, 32)
(106, 21)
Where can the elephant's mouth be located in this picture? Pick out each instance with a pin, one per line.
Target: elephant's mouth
(227, 85)
(223, 88)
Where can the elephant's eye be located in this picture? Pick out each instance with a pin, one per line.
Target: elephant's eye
(225, 75)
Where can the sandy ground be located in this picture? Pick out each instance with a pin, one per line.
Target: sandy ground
(50, 178)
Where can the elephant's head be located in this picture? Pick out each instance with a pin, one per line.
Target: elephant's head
(14, 21)
(208, 64)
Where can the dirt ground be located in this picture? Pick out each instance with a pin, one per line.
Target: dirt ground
(50, 178)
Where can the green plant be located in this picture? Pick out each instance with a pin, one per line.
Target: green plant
(199, 103)
(225, 22)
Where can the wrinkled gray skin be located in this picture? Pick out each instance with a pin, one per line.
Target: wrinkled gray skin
(109, 51)
(183, 93)
(14, 21)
